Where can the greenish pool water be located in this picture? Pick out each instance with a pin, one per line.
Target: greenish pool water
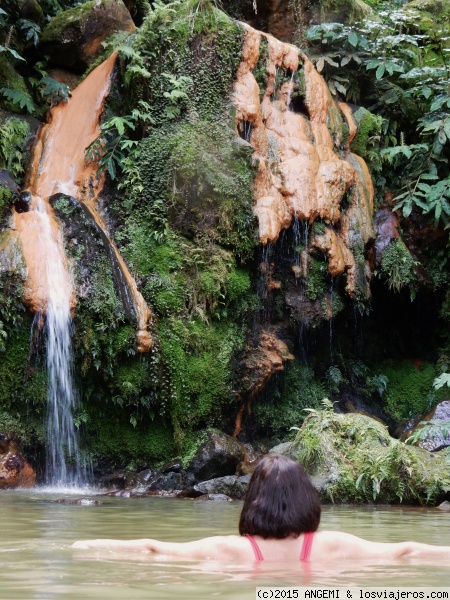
(37, 562)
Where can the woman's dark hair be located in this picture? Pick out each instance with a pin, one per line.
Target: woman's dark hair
(280, 500)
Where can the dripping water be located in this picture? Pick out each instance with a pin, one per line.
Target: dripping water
(331, 320)
(274, 92)
(359, 333)
(289, 96)
(247, 130)
(297, 239)
(263, 281)
(303, 330)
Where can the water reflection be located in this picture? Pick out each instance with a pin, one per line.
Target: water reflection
(36, 560)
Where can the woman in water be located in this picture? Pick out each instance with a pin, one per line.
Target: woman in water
(278, 522)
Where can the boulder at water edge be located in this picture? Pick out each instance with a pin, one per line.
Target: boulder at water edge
(15, 471)
(352, 458)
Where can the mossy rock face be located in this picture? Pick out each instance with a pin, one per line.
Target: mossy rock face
(432, 14)
(73, 38)
(12, 80)
(281, 19)
(341, 11)
(31, 10)
(353, 459)
(436, 7)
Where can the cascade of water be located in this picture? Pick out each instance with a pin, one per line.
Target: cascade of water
(289, 95)
(63, 466)
(359, 331)
(297, 239)
(331, 320)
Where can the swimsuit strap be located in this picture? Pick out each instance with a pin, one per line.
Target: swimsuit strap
(306, 547)
(256, 550)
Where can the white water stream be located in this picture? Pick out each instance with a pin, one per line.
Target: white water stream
(63, 466)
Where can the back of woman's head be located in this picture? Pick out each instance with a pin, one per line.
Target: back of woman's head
(280, 500)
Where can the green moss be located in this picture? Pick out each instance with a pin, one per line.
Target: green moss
(237, 284)
(199, 360)
(367, 138)
(202, 44)
(260, 70)
(361, 463)
(398, 266)
(288, 398)
(23, 385)
(68, 18)
(6, 201)
(410, 391)
(317, 280)
(14, 133)
(12, 80)
(113, 441)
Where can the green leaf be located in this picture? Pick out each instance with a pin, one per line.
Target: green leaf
(18, 97)
(447, 127)
(353, 38)
(330, 61)
(358, 481)
(438, 102)
(12, 52)
(407, 208)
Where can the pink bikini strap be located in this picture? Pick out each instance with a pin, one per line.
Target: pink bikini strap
(306, 547)
(256, 550)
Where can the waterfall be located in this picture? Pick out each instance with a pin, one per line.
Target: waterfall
(58, 165)
(63, 466)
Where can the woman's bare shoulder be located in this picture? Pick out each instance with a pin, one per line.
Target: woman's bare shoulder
(228, 547)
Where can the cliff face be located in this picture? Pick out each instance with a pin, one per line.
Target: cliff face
(227, 202)
(287, 20)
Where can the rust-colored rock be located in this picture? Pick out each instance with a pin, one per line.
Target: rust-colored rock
(303, 173)
(262, 359)
(15, 471)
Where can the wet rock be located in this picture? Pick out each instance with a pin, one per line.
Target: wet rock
(386, 224)
(15, 471)
(261, 360)
(7, 180)
(167, 482)
(73, 39)
(22, 203)
(278, 16)
(215, 497)
(284, 448)
(117, 479)
(435, 440)
(218, 456)
(444, 505)
(31, 10)
(174, 466)
(230, 485)
(79, 501)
